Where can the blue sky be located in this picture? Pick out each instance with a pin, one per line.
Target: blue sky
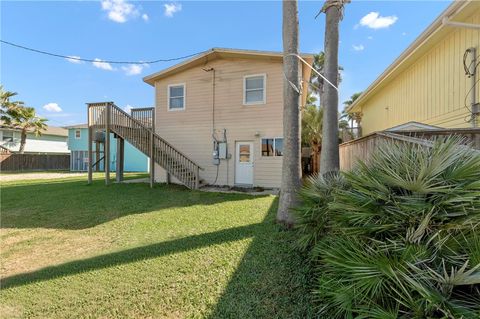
(373, 34)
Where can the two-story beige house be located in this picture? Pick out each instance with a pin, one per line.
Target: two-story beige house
(224, 110)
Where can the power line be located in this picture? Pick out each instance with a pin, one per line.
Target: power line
(97, 60)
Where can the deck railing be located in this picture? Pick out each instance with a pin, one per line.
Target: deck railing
(134, 130)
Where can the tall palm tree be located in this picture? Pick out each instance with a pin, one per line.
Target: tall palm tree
(26, 120)
(291, 165)
(347, 104)
(329, 157)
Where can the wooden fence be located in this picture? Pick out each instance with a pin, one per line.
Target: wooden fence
(34, 162)
(362, 148)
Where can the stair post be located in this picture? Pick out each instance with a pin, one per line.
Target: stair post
(107, 144)
(90, 153)
(120, 159)
(152, 159)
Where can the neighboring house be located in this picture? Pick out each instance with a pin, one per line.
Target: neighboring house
(135, 161)
(224, 110)
(52, 141)
(428, 84)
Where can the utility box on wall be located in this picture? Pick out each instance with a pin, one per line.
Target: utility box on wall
(222, 150)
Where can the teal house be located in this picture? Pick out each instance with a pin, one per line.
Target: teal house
(135, 161)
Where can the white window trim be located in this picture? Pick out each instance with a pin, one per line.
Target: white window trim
(80, 135)
(270, 138)
(184, 97)
(264, 101)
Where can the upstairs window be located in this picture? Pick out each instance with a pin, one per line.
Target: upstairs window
(77, 134)
(272, 146)
(176, 97)
(254, 89)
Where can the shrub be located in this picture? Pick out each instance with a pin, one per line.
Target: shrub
(397, 237)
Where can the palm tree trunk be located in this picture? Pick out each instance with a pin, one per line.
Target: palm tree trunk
(329, 158)
(23, 141)
(291, 168)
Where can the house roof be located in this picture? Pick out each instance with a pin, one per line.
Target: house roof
(456, 11)
(216, 53)
(412, 126)
(84, 125)
(51, 130)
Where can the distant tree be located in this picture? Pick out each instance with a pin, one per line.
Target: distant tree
(312, 123)
(15, 115)
(347, 104)
(316, 81)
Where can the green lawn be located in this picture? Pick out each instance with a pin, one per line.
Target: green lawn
(127, 251)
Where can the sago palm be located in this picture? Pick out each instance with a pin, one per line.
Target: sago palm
(397, 237)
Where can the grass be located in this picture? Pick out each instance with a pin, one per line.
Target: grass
(128, 251)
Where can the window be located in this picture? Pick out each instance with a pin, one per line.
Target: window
(254, 89)
(272, 146)
(7, 136)
(176, 97)
(77, 134)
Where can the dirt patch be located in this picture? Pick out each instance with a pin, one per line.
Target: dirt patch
(9, 177)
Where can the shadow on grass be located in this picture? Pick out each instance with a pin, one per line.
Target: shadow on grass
(271, 280)
(72, 204)
(132, 255)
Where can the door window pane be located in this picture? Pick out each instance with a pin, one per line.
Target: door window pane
(244, 153)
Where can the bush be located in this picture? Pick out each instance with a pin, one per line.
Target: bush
(398, 237)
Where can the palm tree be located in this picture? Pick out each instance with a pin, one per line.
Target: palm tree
(346, 119)
(317, 82)
(6, 105)
(291, 168)
(329, 158)
(26, 120)
(312, 123)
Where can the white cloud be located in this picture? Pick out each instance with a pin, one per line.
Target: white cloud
(128, 108)
(120, 10)
(134, 69)
(370, 37)
(145, 17)
(171, 8)
(74, 59)
(102, 65)
(359, 47)
(374, 20)
(52, 107)
(404, 33)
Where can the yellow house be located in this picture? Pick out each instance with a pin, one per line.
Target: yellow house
(224, 110)
(434, 82)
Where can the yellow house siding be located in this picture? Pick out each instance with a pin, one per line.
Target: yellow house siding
(190, 131)
(431, 89)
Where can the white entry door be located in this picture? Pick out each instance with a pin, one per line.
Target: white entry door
(244, 163)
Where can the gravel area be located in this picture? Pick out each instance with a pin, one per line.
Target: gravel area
(37, 175)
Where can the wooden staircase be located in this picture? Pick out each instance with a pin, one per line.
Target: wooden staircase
(138, 130)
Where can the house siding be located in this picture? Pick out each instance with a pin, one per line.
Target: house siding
(190, 130)
(44, 143)
(135, 161)
(430, 90)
